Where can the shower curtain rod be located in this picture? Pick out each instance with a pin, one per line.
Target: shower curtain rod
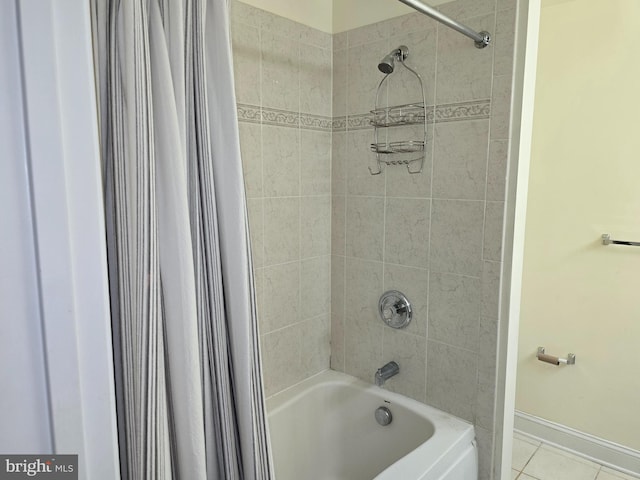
(481, 39)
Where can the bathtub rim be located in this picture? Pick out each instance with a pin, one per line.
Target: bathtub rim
(430, 460)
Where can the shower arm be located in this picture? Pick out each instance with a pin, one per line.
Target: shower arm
(481, 39)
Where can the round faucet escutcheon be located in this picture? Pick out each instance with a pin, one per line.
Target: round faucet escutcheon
(395, 309)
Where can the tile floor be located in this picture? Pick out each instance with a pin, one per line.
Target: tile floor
(533, 460)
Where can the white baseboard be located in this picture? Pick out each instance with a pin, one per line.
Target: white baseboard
(593, 448)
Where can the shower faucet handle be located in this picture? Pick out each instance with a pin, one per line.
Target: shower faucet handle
(390, 311)
(395, 309)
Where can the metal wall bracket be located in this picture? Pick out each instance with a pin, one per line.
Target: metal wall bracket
(607, 240)
(544, 357)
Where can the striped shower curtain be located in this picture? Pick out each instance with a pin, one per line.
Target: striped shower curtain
(190, 398)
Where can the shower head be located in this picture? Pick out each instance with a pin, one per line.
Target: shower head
(387, 64)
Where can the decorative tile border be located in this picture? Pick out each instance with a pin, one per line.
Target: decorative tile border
(449, 112)
(453, 112)
(283, 118)
(316, 122)
(339, 124)
(248, 113)
(359, 122)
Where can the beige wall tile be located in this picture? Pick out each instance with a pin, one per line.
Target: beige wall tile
(316, 347)
(363, 75)
(338, 163)
(241, 12)
(365, 227)
(339, 83)
(451, 379)
(490, 289)
(337, 312)
(359, 158)
(251, 152)
(315, 80)
(503, 41)
(281, 230)
(363, 288)
(315, 226)
(456, 237)
(338, 272)
(246, 62)
(465, 9)
(340, 40)
(337, 343)
(273, 23)
(315, 287)
(317, 38)
(487, 360)
(315, 162)
(280, 71)
(497, 170)
(403, 86)
(409, 352)
(485, 453)
(500, 107)
(281, 303)
(281, 359)
(463, 71)
(407, 231)
(281, 161)
(338, 225)
(493, 223)
(460, 160)
(368, 34)
(363, 347)
(412, 22)
(454, 307)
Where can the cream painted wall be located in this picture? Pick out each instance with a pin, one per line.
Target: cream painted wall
(348, 14)
(335, 16)
(313, 13)
(578, 295)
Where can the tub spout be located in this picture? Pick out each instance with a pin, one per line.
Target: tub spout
(386, 372)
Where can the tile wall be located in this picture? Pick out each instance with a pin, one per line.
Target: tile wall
(330, 238)
(435, 236)
(283, 90)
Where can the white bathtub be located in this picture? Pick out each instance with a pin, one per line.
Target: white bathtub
(324, 429)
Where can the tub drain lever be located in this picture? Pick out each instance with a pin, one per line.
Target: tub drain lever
(545, 357)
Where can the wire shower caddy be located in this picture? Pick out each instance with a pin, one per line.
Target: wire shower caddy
(396, 152)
